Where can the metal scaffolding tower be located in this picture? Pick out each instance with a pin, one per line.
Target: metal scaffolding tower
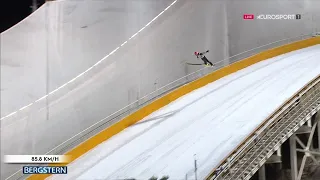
(307, 149)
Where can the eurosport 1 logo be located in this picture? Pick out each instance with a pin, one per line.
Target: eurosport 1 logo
(272, 16)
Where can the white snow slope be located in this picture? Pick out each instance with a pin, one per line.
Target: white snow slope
(209, 122)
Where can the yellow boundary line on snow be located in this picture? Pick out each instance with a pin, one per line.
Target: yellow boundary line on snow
(175, 94)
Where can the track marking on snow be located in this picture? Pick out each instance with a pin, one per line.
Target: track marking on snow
(104, 58)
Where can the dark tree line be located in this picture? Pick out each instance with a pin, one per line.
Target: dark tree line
(13, 12)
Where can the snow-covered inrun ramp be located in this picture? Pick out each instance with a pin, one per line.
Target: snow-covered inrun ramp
(209, 122)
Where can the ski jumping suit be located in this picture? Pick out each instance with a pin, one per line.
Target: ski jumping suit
(204, 58)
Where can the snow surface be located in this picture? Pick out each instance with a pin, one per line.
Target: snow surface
(209, 122)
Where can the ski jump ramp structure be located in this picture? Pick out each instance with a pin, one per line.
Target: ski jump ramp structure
(211, 122)
(85, 109)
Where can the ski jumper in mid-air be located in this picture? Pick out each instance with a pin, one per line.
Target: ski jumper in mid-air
(203, 58)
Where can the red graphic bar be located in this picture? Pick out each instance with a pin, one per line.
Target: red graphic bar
(248, 16)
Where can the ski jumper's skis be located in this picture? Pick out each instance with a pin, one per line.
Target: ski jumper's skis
(195, 64)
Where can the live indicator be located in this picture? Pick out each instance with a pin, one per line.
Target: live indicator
(248, 16)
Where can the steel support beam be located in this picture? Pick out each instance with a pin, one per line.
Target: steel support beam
(303, 130)
(279, 152)
(306, 149)
(262, 173)
(309, 152)
(293, 157)
(317, 120)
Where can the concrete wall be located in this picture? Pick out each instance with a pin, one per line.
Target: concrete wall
(80, 34)
(69, 37)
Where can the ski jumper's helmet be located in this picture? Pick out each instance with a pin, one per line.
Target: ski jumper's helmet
(196, 53)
